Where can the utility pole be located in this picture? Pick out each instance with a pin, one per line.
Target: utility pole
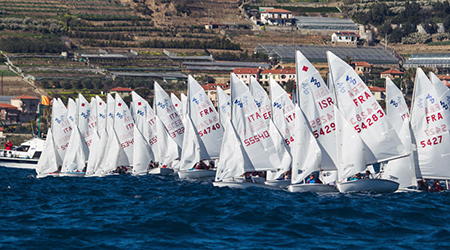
(2, 83)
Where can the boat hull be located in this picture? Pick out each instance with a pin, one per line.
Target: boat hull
(313, 187)
(161, 171)
(196, 174)
(238, 184)
(368, 185)
(278, 183)
(11, 162)
(72, 174)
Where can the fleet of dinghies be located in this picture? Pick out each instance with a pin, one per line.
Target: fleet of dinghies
(334, 131)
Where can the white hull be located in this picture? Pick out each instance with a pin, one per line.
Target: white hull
(72, 174)
(161, 171)
(196, 174)
(368, 185)
(278, 183)
(238, 184)
(11, 162)
(47, 175)
(313, 187)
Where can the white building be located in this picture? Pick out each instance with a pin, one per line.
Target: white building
(345, 38)
(276, 17)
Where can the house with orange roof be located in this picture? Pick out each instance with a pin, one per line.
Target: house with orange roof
(211, 91)
(445, 80)
(245, 73)
(345, 38)
(362, 68)
(378, 92)
(392, 73)
(276, 17)
(9, 113)
(123, 92)
(27, 106)
(281, 76)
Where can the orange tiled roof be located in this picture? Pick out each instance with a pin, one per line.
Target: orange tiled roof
(246, 70)
(278, 71)
(213, 86)
(392, 72)
(28, 97)
(346, 33)
(377, 89)
(7, 106)
(120, 89)
(362, 64)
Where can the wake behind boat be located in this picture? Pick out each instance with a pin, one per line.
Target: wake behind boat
(26, 155)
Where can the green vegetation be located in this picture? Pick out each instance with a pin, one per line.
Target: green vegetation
(301, 9)
(216, 43)
(32, 45)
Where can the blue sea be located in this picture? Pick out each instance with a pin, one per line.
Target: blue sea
(163, 212)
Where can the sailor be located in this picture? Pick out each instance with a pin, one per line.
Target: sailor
(313, 179)
(201, 165)
(436, 187)
(367, 175)
(8, 145)
(423, 185)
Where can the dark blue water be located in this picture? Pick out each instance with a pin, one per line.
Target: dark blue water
(162, 212)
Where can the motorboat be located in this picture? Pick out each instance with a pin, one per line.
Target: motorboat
(26, 155)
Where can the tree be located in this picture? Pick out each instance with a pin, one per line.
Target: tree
(348, 60)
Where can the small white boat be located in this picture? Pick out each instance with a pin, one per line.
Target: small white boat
(278, 183)
(26, 155)
(313, 187)
(72, 174)
(161, 171)
(368, 185)
(196, 174)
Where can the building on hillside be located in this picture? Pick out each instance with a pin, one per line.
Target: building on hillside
(281, 76)
(123, 92)
(245, 73)
(276, 17)
(28, 107)
(362, 67)
(2, 131)
(445, 80)
(211, 91)
(6, 99)
(439, 61)
(345, 39)
(9, 113)
(378, 92)
(392, 73)
(325, 23)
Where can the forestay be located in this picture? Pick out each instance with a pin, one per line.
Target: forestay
(317, 103)
(362, 111)
(430, 130)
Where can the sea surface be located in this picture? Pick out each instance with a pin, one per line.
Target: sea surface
(163, 212)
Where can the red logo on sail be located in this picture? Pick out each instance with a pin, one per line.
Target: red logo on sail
(305, 68)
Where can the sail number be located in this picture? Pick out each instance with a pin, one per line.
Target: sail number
(369, 121)
(437, 130)
(431, 141)
(179, 131)
(256, 138)
(208, 129)
(289, 140)
(325, 130)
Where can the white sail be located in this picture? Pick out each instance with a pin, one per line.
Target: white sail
(123, 125)
(48, 162)
(145, 121)
(177, 103)
(430, 130)
(72, 111)
(86, 122)
(75, 159)
(193, 146)
(184, 101)
(166, 111)
(233, 161)
(61, 128)
(224, 106)
(317, 103)
(443, 96)
(350, 148)
(264, 104)
(205, 119)
(362, 111)
(142, 153)
(111, 107)
(396, 107)
(306, 153)
(402, 170)
(114, 155)
(167, 147)
(101, 114)
(251, 128)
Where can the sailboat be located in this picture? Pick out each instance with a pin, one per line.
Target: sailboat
(430, 128)
(48, 162)
(203, 133)
(360, 111)
(400, 170)
(246, 146)
(223, 106)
